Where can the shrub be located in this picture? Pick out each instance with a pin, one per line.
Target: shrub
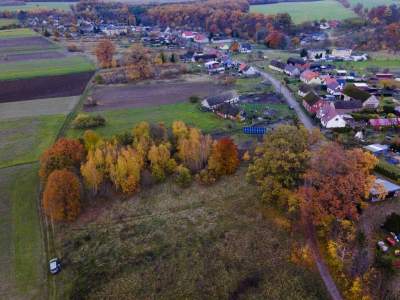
(99, 79)
(124, 139)
(73, 48)
(388, 170)
(182, 176)
(206, 177)
(194, 99)
(84, 121)
(392, 223)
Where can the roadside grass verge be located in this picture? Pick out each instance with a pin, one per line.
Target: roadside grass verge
(118, 121)
(17, 33)
(23, 140)
(22, 272)
(45, 67)
(204, 242)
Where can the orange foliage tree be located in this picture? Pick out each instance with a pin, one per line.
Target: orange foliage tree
(61, 197)
(336, 183)
(224, 158)
(64, 154)
(105, 50)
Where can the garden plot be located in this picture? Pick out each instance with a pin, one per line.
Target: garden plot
(152, 94)
(39, 107)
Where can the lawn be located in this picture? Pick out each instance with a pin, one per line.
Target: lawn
(252, 85)
(276, 110)
(17, 33)
(373, 3)
(118, 121)
(38, 6)
(7, 22)
(363, 66)
(204, 242)
(44, 67)
(23, 140)
(306, 11)
(22, 273)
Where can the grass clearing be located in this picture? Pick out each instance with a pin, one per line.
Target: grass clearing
(21, 256)
(252, 85)
(208, 242)
(30, 6)
(7, 22)
(373, 3)
(363, 66)
(17, 33)
(306, 11)
(118, 121)
(45, 67)
(23, 140)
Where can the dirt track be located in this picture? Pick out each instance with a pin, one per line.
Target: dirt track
(142, 95)
(44, 87)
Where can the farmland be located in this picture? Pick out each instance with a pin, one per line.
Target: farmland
(14, 33)
(7, 22)
(22, 274)
(118, 121)
(38, 5)
(364, 66)
(306, 11)
(168, 243)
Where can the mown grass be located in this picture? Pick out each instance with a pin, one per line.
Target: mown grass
(211, 242)
(252, 85)
(306, 11)
(23, 140)
(118, 121)
(363, 66)
(44, 67)
(17, 33)
(29, 6)
(22, 272)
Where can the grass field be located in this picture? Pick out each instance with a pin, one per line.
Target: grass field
(48, 67)
(23, 140)
(17, 33)
(362, 66)
(252, 85)
(306, 11)
(21, 257)
(38, 5)
(7, 22)
(373, 3)
(118, 121)
(213, 242)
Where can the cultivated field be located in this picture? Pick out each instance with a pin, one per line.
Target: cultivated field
(23, 140)
(306, 11)
(38, 5)
(25, 45)
(118, 121)
(152, 94)
(22, 264)
(214, 242)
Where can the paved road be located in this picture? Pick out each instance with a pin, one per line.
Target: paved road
(309, 228)
(290, 99)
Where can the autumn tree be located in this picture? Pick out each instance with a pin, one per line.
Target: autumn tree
(336, 183)
(91, 139)
(224, 158)
(105, 50)
(234, 47)
(93, 170)
(64, 154)
(61, 197)
(139, 62)
(161, 161)
(280, 163)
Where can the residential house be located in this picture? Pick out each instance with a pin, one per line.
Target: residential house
(211, 103)
(377, 149)
(214, 67)
(189, 35)
(295, 61)
(359, 57)
(277, 65)
(369, 101)
(291, 70)
(247, 70)
(334, 88)
(341, 53)
(316, 54)
(310, 77)
(201, 39)
(381, 76)
(227, 111)
(202, 57)
(312, 102)
(303, 90)
(331, 119)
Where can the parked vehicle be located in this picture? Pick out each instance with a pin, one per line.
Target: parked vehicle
(394, 237)
(391, 241)
(54, 266)
(383, 246)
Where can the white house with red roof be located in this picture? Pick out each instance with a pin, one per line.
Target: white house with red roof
(310, 77)
(188, 34)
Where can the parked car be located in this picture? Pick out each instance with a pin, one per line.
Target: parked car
(383, 246)
(390, 241)
(395, 237)
(54, 266)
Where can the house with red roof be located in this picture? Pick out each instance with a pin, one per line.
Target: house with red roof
(312, 102)
(310, 77)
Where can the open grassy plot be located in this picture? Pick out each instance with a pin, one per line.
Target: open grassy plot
(40, 107)
(38, 6)
(118, 121)
(364, 66)
(17, 33)
(252, 85)
(306, 11)
(23, 140)
(373, 3)
(214, 242)
(21, 257)
(49, 67)
(7, 22)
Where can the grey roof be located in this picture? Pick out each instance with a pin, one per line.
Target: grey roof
(389, 186)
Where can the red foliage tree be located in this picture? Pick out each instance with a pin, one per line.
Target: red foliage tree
(64, 154)
(61, 197)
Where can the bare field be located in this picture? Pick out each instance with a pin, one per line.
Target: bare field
(13, 57)
(152, 94)
(39, 107)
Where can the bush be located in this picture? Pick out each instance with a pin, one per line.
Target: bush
(206, 177)
(84, 121)
(99, 79)
(194, 99)
(124, 139)
(73, 48)
(388, 170)
(392, 223)
(182, 176)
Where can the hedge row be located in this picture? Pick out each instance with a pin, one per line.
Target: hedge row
(388, 170)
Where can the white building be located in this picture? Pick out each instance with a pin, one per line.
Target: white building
(341, 52)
